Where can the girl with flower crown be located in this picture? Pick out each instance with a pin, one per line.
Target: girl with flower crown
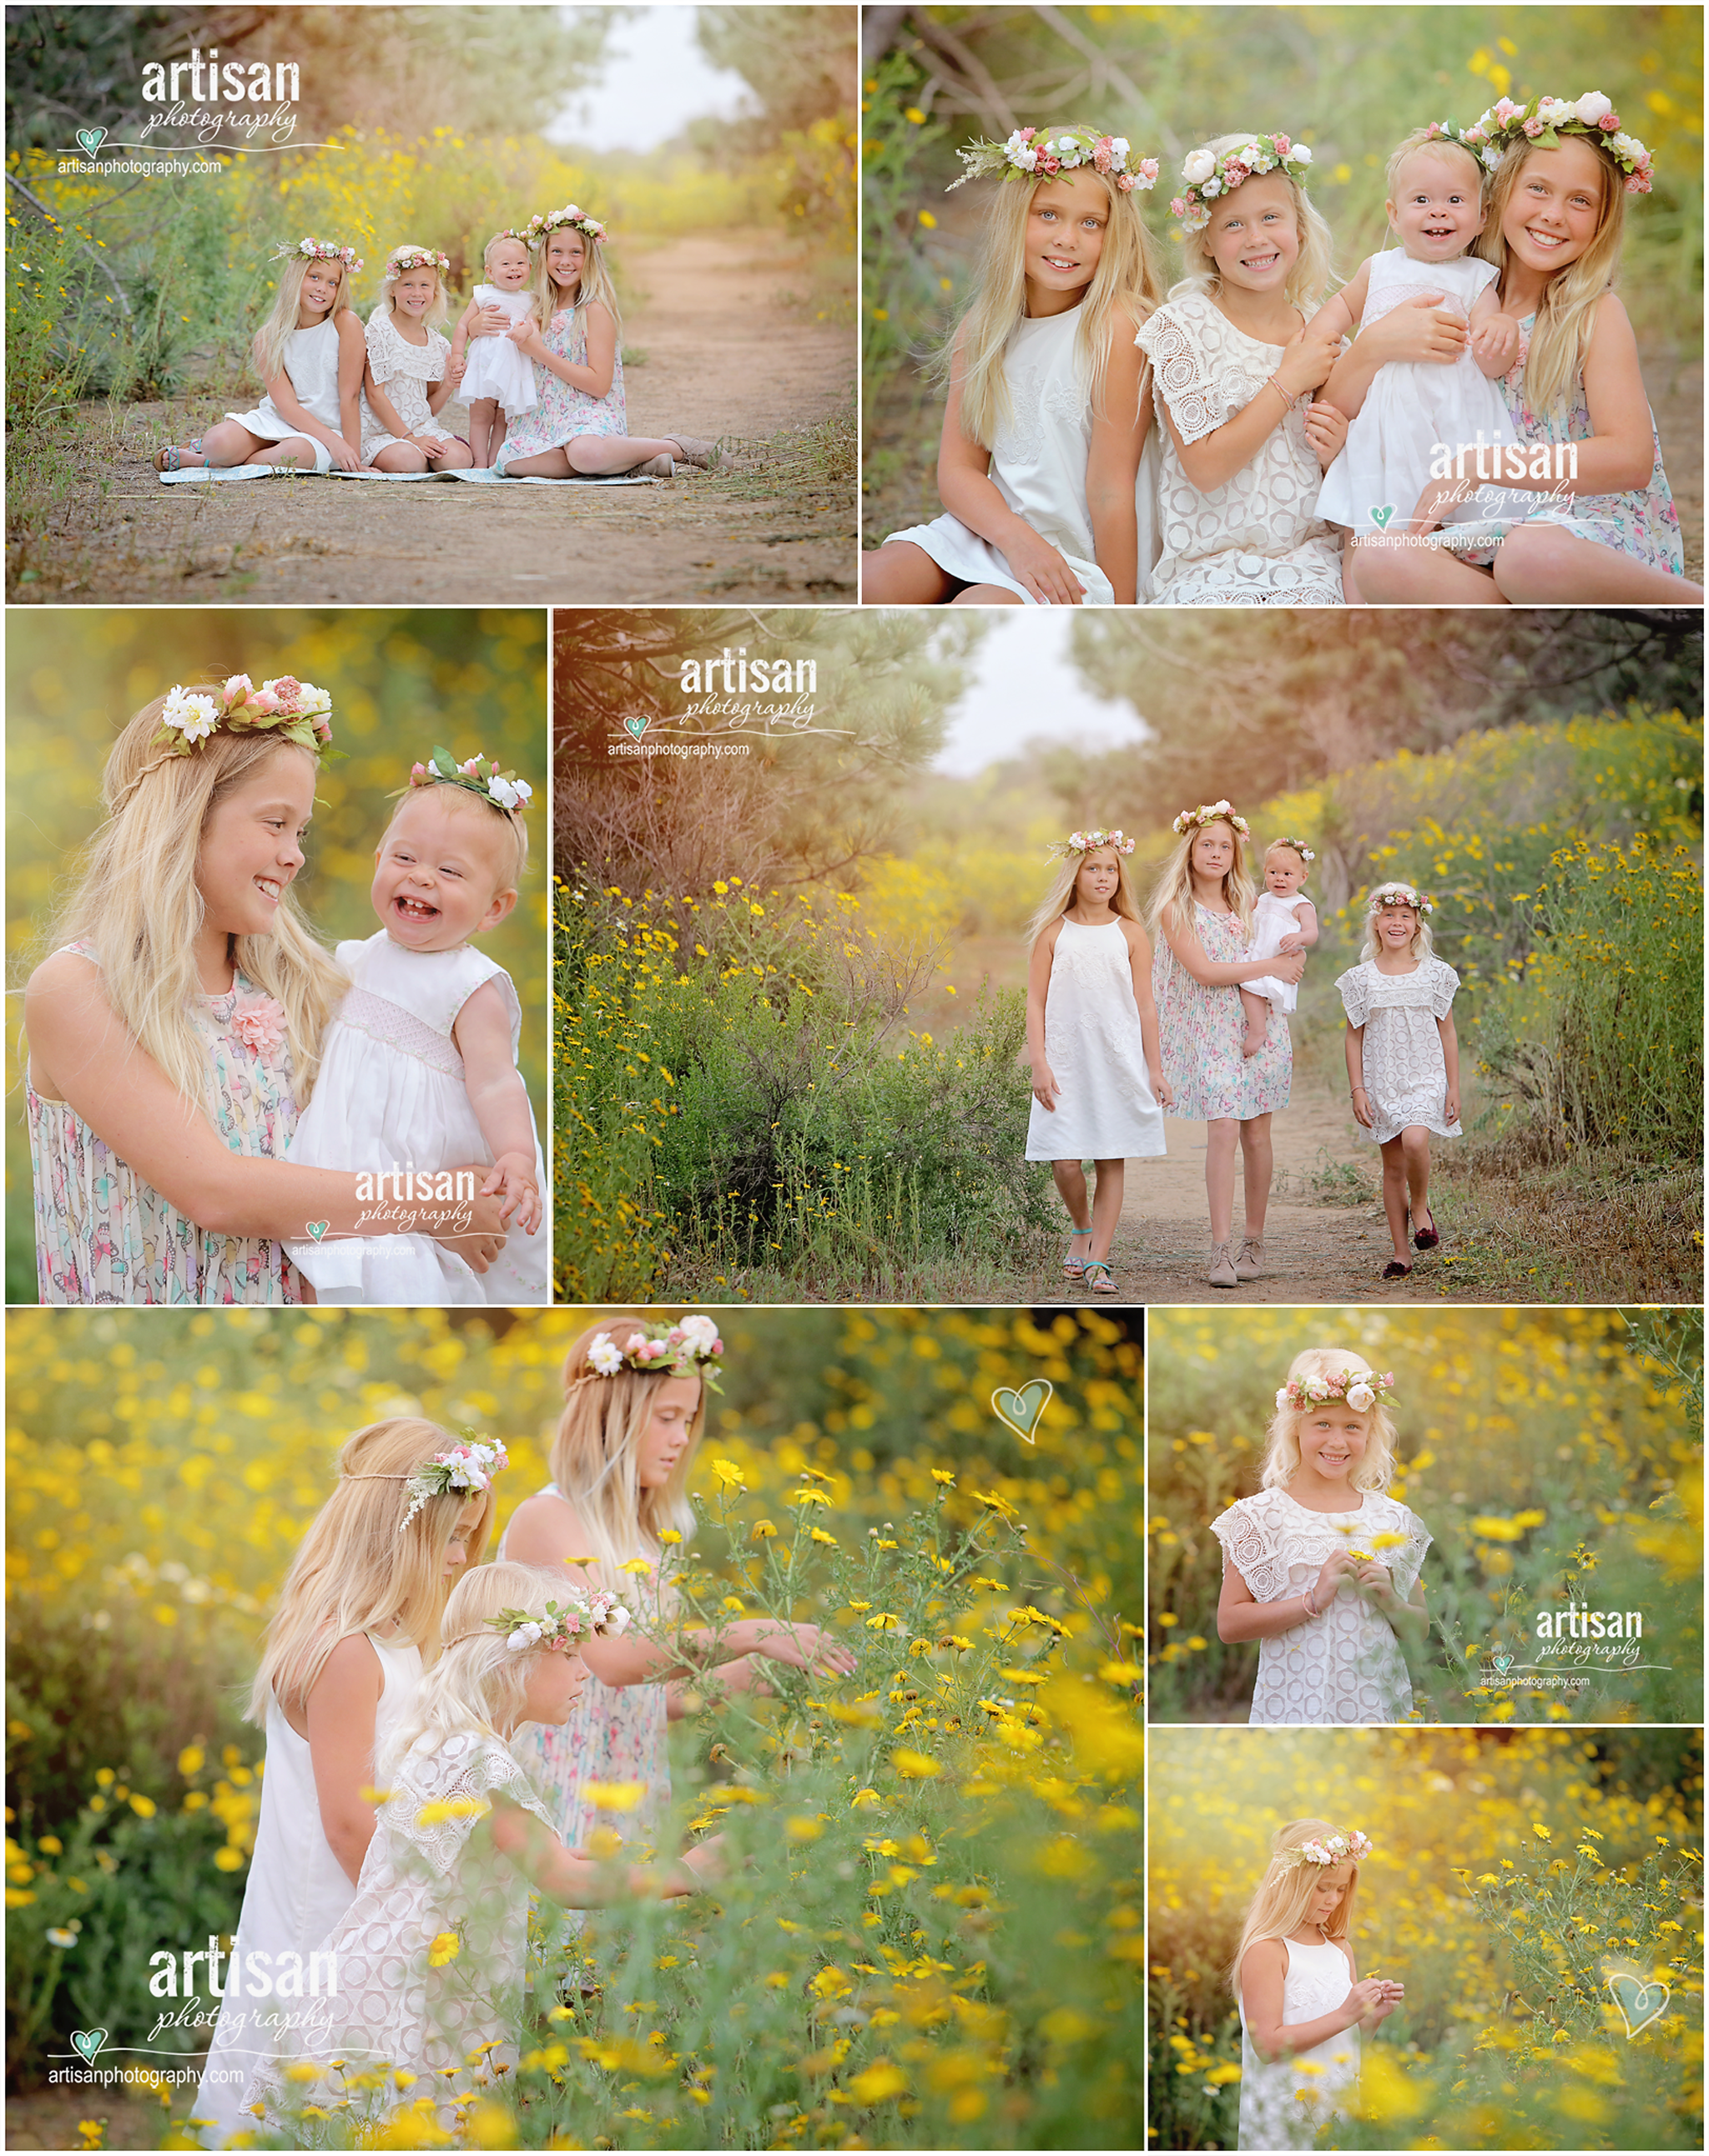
(408, 378)
(1092, 1039)
(1605, 529)
(579, 423)
(419, 1069)
(309, 354)
(176, 1030)
(1236, 354)
(1320, 1568)
(340, 1671)
(1047, 411)
(635, 1405)
(432, 1952)
(1402, 1057)
(1296, 1984)
(497, 380)
(1200, 917)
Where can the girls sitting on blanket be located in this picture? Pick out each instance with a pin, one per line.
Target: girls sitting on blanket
(496, 378)
(1283, 920)
(309, 354)
(408, 380)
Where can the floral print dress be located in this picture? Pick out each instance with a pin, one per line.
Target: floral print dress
(564, 412)
(105, 1236)
(1642, 521)
(1203, 1029)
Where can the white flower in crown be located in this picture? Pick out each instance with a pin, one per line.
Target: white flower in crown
(1299, 154)
(703, 1332)
(606, 1356)
(1360, 1397)
(1198, 168)
(1591, 107)
(194, 717)
(525, 1635)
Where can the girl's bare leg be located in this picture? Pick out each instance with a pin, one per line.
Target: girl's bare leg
(225, 444)
(550, 463)
(1106, 1206)
(1542, 565)
(480, 430)
(986, 595)
(1220, 1138)
(610, 453)
(1415, 1151)
(458, 457)
(900, 573)
(1071, 1181)
(1395, 1167)
(1259, 1157)
(1257, 1010)
(399, 457)
(1391, 573)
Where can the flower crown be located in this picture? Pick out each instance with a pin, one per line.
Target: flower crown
(1359, 1389)
(310, 249)
(470, 1465)
(687, 1349)
(1089, 842)
(566, 1624)
(509, 232)
(1211, 812)
(1544, 121)
(1399, 894)
(1029, 155)
(1207, 174)
(1336, 1850)
(478, 775)
(295, 711)
(540, 227)
(1297, 846)
(416, 257)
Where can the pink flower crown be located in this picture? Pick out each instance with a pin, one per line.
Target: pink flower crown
(1209, 176)
(295, 711)
(1296, 846)
(1337, 1849)
(690, 1348)
(1030, 154)
(416, 257)
(1543, 121)
(309, 250)
(477, 774)
(1399, 894)
(1360, 1389)
(1211, 812)
(540, 229)
(559, 1626)
(1091, 842)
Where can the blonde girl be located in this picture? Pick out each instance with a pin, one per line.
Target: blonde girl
(340, 1670)
(175, 1031)
(460, 1839)
(1320, 1567)
(1402, 1057)
(1295, 1980)
(634, 1406)
(1605, 528)
(496, 381)
(407, 381)
(578, 423)
(1200, 917)
(1092, 1039)
(1241, 468)
(1047, 410)
(309, 354)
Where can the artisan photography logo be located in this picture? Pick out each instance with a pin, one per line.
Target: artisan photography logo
(734, 699)
(1477, 469)
(241, 108)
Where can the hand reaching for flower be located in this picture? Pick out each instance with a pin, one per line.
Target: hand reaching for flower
(800, 1646)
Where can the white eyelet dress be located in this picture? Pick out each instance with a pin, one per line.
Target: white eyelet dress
(1104, 1109)
(391, 1095)
(1344, 1665)
(311, 367)
(1282, 2106)
(1406, 1077)
(297, 1894)
(404, 372)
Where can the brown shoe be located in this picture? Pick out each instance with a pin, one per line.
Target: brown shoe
(1250, 1263)
(1222, 1265)
(690, 450)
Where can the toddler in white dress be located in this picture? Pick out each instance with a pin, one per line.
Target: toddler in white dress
(1283, 918)
(1416, 412)
(418, 1076)
(497, 378)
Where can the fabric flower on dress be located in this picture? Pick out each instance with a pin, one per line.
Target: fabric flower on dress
(259, 1023)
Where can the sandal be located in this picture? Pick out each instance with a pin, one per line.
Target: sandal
(1070, 1264)
(1098, 1277)
(167, 459)
(1427, 1238)
(1395, 1270)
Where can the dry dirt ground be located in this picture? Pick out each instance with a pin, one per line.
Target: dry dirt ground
(720, 356)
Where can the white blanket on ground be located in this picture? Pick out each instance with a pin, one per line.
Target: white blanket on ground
(207, 472)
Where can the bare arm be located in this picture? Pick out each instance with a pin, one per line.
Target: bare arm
(1341, 316)
(1214, 458)
(1263, 1976)
(1045, 1089)
(381, 405)
(1450, 1058)
(1241, 1616)
(536, 1851)
(352, 364)
(1139, 955)
(1112, 466)
(1189, 955)
(339, 1727)
(595, 378)
(1354, 1043)
(1421, 330)
(967, 491)
(500, 1100)
(1494, 337)
(1304, 935)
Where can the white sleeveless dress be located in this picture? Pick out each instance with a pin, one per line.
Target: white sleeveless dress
(1039, 466)
(391, 1095)
(498, 368)
(1273, 918)
(1272, 2115)
(312, 365)
(1413, 406)
(1344, 1665)
(1104, 1109)
(296, 1895)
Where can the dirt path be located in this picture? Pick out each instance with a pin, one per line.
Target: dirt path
(713, 352)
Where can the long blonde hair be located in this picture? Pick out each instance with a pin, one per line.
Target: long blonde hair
(1313, 266)
(478, 1683)
(1566, 314)
(357, 1567)
(1281, 1462)
(281, 324)
(593, 1464)
(1126, 281)
(1172, 896)
(1286, 1891)
(1060, 898)
(1422, 944)
(594, 286)
(137, 908)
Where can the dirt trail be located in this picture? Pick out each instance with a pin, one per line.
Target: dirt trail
(715, 353)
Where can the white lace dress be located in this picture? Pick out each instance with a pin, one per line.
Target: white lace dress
(1344, 1665)
(405, 372)
(419, 1880)
(1105, 1108)
(1280, 2106)
(1257, 539)
(1406, 1076)
(1272, 919)
(1039, 466)
(311, 368)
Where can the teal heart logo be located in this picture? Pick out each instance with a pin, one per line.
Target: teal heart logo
(87, 2042)
(91, 139)
(1503, 1663)
(318, 1228)
(1380, 516)
(636, 727)
(1023, 1410)
(1640, 2003)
